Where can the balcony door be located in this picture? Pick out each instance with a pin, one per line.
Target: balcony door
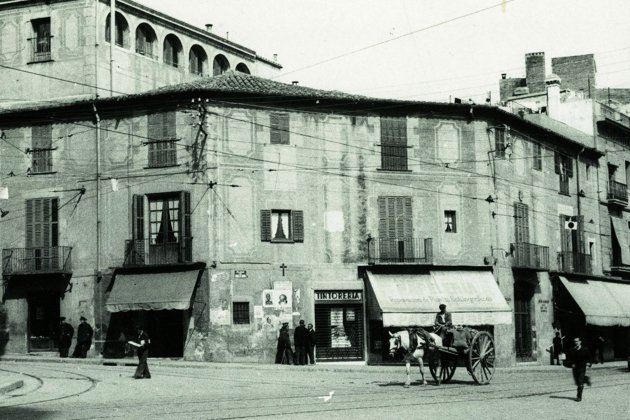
(525, 256)
(42, 235)
(395, 229)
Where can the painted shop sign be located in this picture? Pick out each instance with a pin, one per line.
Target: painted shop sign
(338, 295)
(240, 274)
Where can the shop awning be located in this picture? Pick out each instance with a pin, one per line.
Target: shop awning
(621, 232)
(603, 303)
(152, 291)
(472, 297)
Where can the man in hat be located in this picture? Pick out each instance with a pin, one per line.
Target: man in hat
(84, 339)
(300, 340)
(143, 354)
(443, 321)
(65, 337)
(284, 355)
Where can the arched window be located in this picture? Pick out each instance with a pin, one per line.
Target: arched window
(145, 40)
(220, 65)
(121, 30)
(197, 60)
(172, 51)
(242, 68)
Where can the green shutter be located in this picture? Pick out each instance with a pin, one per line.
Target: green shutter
(265, 225)
(297, 219)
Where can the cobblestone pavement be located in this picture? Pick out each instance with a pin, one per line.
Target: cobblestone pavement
(86, 391)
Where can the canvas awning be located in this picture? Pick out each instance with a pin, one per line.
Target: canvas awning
(152, 291)
(603, 303)
(472, 297)
(621, 232)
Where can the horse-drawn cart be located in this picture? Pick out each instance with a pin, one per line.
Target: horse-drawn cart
(475, 347)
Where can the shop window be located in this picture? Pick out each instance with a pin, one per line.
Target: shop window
(450, 221)
(393, 144)
(279, 128)
(41, 150)
(240, 312)
(282, 225)
(162, 141)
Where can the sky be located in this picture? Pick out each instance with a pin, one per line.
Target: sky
(431, 50)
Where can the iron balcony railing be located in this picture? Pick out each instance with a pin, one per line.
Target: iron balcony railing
(404, 250)
(574, 262)
(617, 192)
(53, 259)
(531, 256)
(40, 48)
(144, 252)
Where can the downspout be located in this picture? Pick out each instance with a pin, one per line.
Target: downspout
(97, 119)
(96, 20)
(112, 41)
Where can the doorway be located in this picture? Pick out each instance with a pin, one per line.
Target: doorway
(523, 296)
(43, 320)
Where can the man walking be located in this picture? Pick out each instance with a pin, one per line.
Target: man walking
(143, 354)
(310, 344)
(65, 337)
(300, 339)
(580, 357)
(84, 339)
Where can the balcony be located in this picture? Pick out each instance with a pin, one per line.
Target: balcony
(534, 257)
(617, 193)
(40, 49)
(574, 262)
(400, 251)
(143, 252)
(38, 260)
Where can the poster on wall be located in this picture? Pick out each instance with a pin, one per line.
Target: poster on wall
(339, 338)
(277, 298)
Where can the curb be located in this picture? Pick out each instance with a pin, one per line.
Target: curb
(11, 387)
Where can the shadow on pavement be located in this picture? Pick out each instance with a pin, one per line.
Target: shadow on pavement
(27, 413)
(558, 397)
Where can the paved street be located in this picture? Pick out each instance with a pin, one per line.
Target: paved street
(85, 391)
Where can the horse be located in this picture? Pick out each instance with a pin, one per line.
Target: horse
(400, 340)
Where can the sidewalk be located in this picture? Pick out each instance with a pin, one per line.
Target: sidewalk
(322, 366)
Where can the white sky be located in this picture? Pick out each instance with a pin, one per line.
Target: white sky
(463, 58)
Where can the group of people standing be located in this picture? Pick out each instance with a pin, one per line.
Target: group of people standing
(304, 341)
(84, 338)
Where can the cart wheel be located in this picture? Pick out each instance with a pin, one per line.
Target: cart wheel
(481, 358)
(442, 367)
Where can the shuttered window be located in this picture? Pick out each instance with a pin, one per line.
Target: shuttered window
(395, 228)
(279, 128)
(521, 222)
(162, 132)
(563, 166)
(42, 225)
(450, 221)
(500, 141)
(41, 149)
(537, 159)
(282, 225)
(393, 144)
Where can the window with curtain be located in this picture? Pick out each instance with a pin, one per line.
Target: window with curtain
(282, 225)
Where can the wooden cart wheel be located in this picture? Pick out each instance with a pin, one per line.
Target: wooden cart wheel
(442, 366)
(481, 358)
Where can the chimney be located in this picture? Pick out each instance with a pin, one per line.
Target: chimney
(275, 57)
(552, 84)
(535, 71)
(295, 82)
(503, 76)
(209, 27)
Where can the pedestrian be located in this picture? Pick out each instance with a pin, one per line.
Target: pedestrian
(311, 342)
(300, 340)
(284, 354)
(580, 358)
(142, 345)
(599, 348)
(443, 321)
(557, 349)
(65, 337)
(84, 339)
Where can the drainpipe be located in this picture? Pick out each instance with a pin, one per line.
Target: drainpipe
(96, 31)
(112, 41)
(97, 119)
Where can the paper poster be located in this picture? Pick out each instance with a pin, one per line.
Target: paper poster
(4, 193)
(277, 298)
(337, 330)
(258, 311)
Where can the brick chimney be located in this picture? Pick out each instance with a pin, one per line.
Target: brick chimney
(535, 71)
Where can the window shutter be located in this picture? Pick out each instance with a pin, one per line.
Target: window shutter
(569, 166)
(521, 222)
(185, 215)
(274, 134)
(54, 222)
(42, 137)
(138, 217)
(565, 235)
(556, 163)
(297, 219)
(408, 218)
(29, 223)
(284, 127)
(170, 125)
(382, 217)
(265, 225)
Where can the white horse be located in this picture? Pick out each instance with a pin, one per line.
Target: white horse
(400, 340)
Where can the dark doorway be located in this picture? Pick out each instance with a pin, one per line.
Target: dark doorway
(523, 295)
(43, 320)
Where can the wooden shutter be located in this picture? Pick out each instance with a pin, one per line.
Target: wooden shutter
(265, 225)
(521, 223)
(556, 164)
(42, 222)
(565, 234)
(138, 218)
(297, 219)
(568, 162)
(279, 128)
(30, 221)
(185, 215)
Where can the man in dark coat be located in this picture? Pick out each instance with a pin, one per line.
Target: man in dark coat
(311, 341)
(443, 321)
(143, 354)
(284, 355)
(84, 339)
(65, 337)
(557, 348)
(580, 357)
(300, 340)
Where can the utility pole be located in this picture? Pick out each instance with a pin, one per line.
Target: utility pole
(97, 120)
(112, 40)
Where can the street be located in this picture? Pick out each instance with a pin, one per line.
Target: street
(223, 391)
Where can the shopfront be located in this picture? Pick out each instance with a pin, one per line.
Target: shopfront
(339, 325)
